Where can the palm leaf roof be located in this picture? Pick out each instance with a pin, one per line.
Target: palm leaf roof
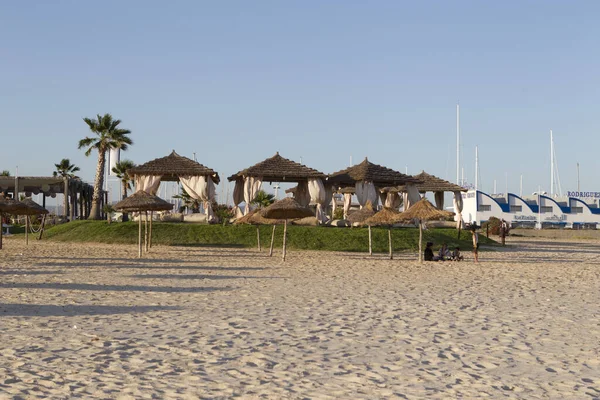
(367, 171)
(171, 167)
(430, 183)
(278, 169)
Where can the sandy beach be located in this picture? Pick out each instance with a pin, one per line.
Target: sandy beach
(92, 321)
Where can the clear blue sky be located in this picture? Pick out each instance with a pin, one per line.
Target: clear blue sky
(237, 81)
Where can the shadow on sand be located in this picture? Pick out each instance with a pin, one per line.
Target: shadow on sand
(44, 310)
(112, 288)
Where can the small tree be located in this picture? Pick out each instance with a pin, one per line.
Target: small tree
(5, 173)
(188, 201)
(120, 170)
(263, 199)
(108, 210)
(65, 169)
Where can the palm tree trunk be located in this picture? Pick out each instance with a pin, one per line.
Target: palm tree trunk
(123, 197)
(98, 185)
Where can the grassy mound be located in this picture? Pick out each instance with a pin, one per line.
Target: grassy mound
(299, 237)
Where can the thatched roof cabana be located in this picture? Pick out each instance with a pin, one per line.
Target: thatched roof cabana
(255, 218)
(367, 171)
(172, 167)
(429, 183)
(278, 169)
(361, 215)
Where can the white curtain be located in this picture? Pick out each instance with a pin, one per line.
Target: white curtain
(411, 196)
(319, 196)
(252, 185)
(238, 195)
(365, 191)
(201, 188)
(392, 200)
(439, 200)
(347, 203)
(147, 183)
(458, 207)
(302, 194)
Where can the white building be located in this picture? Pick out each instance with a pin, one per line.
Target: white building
(531, 211)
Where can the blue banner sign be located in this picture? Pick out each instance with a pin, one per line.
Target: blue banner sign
(593, 195)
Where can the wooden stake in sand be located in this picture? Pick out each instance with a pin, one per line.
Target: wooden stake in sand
(272, 241)
(27, 229)
(420, 241)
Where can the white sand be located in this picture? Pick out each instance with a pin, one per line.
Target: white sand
(91, 321)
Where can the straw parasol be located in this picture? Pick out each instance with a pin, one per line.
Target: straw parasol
(385, 217)
(285, 209)
(33, 208)
(255, 218)
(143, 201)
(359, 216)
(14, 207)
(421, 211)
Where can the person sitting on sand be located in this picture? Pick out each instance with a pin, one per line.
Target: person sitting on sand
(456, 255)
(428, 253)
(444, 253)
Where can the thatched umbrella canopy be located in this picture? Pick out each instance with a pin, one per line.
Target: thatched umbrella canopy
(284, 209)
(143, 201)
(15, 207)
(35, 208)
(171, 167)
(385, 217)
(367, 171)
(361, 215)
(278, 169)
(421, 211)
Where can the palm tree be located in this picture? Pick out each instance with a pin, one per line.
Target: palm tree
(188, 201)
(263, 199)
(65, 169)
(108, 136)
(120, 170)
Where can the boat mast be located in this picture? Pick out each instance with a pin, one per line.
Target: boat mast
(476, 168)
(458, 144)
(551, 165)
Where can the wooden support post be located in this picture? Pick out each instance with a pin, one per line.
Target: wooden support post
(370, 242)
(140, 235)
(258, 236)
(420, 242)
(42, 227)
(146, 230)
(284, 237)
(272, 241)
(390, 241)
(27, 229)
(150, 232)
